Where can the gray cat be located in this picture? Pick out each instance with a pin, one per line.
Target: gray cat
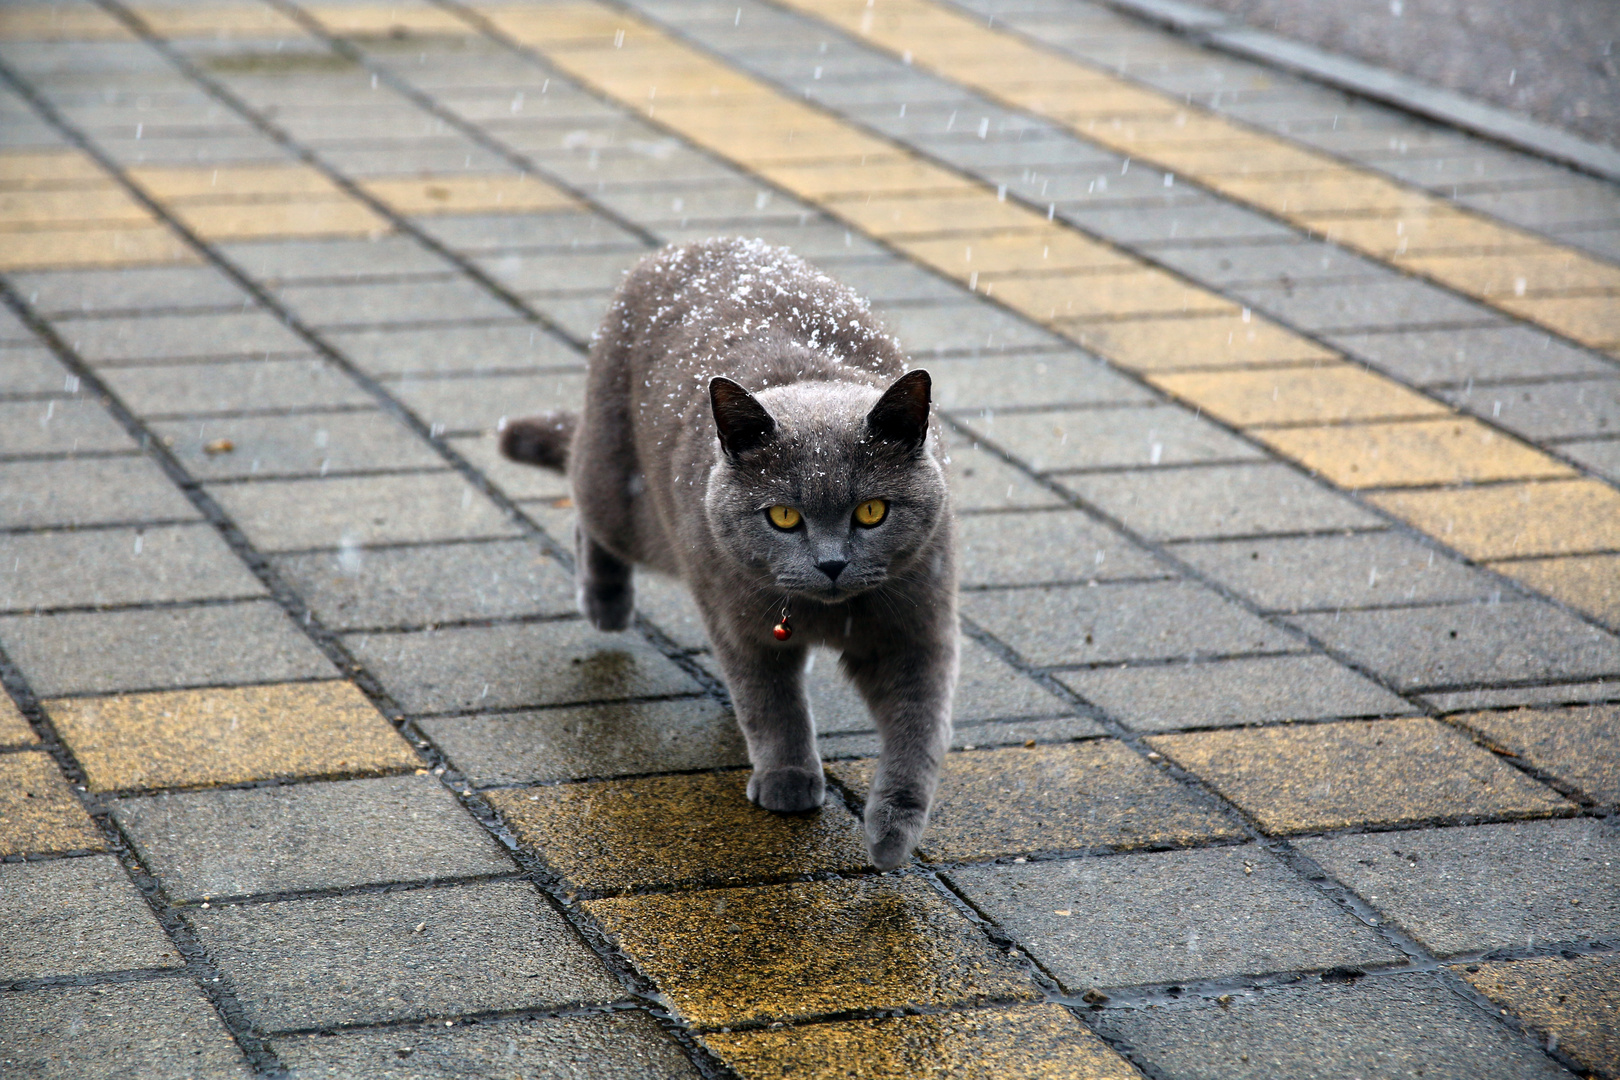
(737, 433)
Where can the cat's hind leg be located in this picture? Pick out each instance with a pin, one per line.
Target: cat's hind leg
(605, 583)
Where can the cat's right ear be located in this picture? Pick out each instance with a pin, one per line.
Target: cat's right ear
(742, 421)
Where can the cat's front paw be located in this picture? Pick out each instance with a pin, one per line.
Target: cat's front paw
(787, 790)
(892, 830)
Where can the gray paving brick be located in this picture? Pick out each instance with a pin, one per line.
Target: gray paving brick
(561, 271)
(367, 303)
(72, 292)
(1543, 207)
(1358, 570)
(158, 1030)
(597, 1046)
(230, 386)
(1392, 1026)
(358, 158)
(578, 315)
(981, 481)
(362, 588)
(307, 836)
(515, 480)
(619, 739)
(76, 917)
(1249, 690)
(500, 232)
(1175, 226)
(1231, 500)
(502, 346)
(293, 515)
(1173, 916)
(304, 444)
(87, 491)
(892, 281)
(1110, 438)
(478, 403)
(27, 368)
(1047, 546)
(1483, 887)
(1550, 410)
(1370, 304)
(1569, 693)
(1441, 357)
(515, 665)
(1270, 263)
(314, 963)
(667, 603)
(966, 326)
(1602, 456)
(179, 337)
(813, 239)
(277, 261)
(996, 382)
(119, 566)
(102, 652)
(1108, 623)
(59, 426)
(1468, 643)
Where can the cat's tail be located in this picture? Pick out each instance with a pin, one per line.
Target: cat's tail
(540, 440)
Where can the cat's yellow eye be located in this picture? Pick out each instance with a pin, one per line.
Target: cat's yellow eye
(871, 512)
(784, 517)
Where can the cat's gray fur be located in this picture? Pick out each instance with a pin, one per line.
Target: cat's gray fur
(673, 466)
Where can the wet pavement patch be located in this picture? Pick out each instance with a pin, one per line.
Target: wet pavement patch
(38, 811)
(1574, 1001)
(1580, 746)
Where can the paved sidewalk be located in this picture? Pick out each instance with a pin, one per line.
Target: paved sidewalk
(1285, 439)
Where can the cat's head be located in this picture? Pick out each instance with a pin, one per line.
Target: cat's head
(826, 488)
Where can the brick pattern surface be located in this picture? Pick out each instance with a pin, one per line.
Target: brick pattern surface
(1282, 436)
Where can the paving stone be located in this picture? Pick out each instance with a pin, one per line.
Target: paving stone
(1452, 357)
(295, 515)
(179, 337)
(1269, 263)
(1250, 690)
(1312, 777)
(442, 350)
(182, 738)
(1022, 800)
(622, 738)
(1508, 521)
(661, 599)
(1570, 693)
(1391, 1026)
(576, 316)
(1602, 456)
(161, 1030)
(88, 491)
(979, 480)
(998, 381)
(1347, 571)
(14, 730)
(1579, 746)
(497, 232)
(1175, 226)
(1392, 302)
(893, 281)
(60, 426)
(1062, 546)
(1467, 643)
(516, 481)
(481, 403)
(77, 917)
(29, 369)
(959, 327)
(1574, 1001)
(1174, 916)
(366, 303)
(308, 444)
(515, 666)
(361, 588)
(39, 814)
(1110, 438)
(120, 566)
(593, 1046)
(1471, 890)
(306, 836)
(360, 959)
(98, 652)
(1108, 623)
(55, 293)
(780, 952)
(235, 386)
(561, 271)
(1550, 410)
(277, 261)
(614, 835)
(1229, 500)
(1029, 1041)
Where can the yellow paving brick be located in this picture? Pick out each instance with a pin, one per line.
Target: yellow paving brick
(25, 169)
(558, 23)
(1412, 453)
(106, 206)
(783, 952)
(1127, 294)
(1574, 1002)
(233, 183)
(388, 20)
(1506, 521)
(1032, 1042)
(251, 221)
(469, 194)
(1161, 138)
(1091, 101)
(618, 834)
(1589, 583)
(1580, 746)
(14, 730)
(967, 213)
(790, 143)
(182, 738)
(1439, 230)
(1327, 393)
(69, 248)
(59, 22)
(1591, 320)
(220, 21)
(1220, 342)
(1317, 193)
(39, 813)
(885, 175)
(1277, 160)
(1518, 273)
(1037, 248)
(1309, 777)
(1019, 801)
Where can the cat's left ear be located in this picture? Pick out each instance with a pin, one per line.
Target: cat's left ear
(901, 414)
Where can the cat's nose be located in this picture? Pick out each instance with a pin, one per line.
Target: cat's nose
(832, 568)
